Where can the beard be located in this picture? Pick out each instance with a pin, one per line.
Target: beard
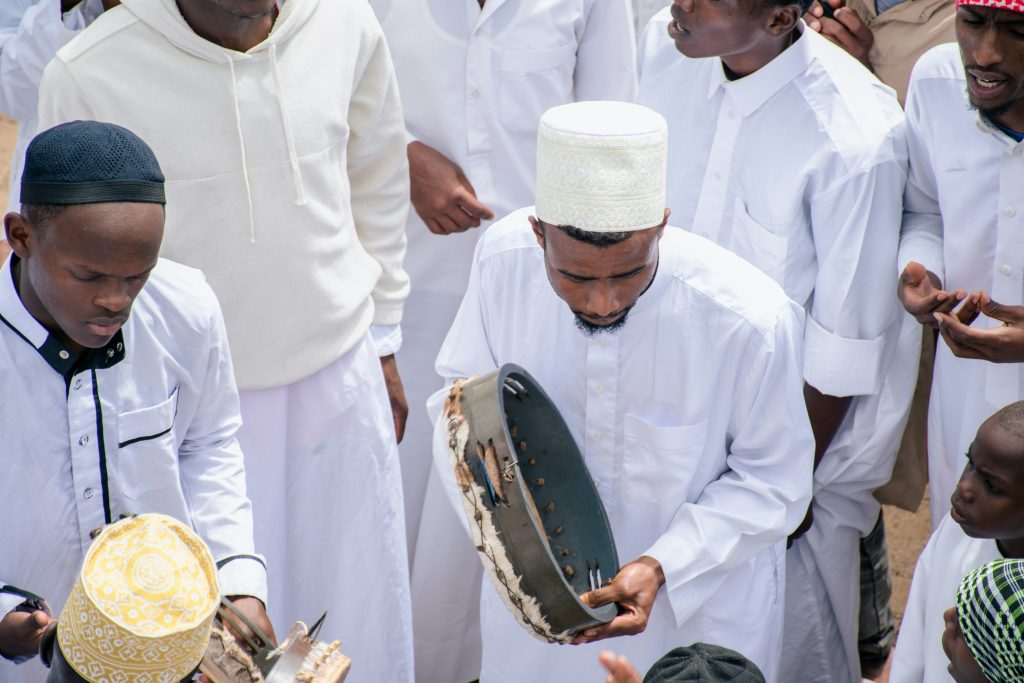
(590, 329)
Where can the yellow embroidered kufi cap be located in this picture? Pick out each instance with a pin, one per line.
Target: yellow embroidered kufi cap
(601, 166)
(143, 606)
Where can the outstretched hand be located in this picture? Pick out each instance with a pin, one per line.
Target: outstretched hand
(634, 589)
(619, 669)
(1003, 344)
(922, 295)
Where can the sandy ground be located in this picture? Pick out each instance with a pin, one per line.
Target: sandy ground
(907, 532)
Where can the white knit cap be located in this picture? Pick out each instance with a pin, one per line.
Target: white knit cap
(601, 166)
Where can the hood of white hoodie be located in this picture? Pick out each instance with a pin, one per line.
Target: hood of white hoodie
(164, 17)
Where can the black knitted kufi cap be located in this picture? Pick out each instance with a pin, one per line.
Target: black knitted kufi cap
(88, 162)
(703, 663)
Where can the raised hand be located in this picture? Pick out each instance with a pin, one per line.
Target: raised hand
(922, 295)
(619, 669)
(1003, 344)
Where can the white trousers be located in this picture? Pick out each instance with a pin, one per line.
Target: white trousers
(445, 569)
(322, 472)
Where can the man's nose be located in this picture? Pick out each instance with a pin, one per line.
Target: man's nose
(685, 5)
(115, 297)
(603, 300)
(988, 51)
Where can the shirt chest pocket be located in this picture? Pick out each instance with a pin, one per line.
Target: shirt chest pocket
(531, 81)
(660, 461)
(147, 451)
(757, 244)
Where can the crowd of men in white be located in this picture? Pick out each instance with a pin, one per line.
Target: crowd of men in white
(350, 178)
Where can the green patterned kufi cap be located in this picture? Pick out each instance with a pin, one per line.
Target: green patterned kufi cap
(990, 609)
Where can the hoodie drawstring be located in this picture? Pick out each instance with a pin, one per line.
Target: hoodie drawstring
(293, 157)
(241, 148)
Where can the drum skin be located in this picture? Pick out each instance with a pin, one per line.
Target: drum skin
(549, 516)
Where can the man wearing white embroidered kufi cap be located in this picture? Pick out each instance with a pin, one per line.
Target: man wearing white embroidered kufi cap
(676, 367)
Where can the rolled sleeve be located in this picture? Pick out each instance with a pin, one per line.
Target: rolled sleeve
(387, 339)
(840, 366)
(243, 575)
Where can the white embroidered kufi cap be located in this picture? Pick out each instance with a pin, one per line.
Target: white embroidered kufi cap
(143, 606)
(601, 166)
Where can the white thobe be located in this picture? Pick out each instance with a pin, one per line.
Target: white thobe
(949, 556)
(976, 188)
(31, 32)
(691, 422)
(799, 168)
(644, 10)
(474, 82)
(145, 424)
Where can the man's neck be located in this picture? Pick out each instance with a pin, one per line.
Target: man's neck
(739, 65)
(1012, 548)
(212, 21)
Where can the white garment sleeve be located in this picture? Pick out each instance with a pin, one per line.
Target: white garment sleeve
(856, 225)
(606, 56)
(213, 474)
(25, 50)
(909, 656)
(378, 171)
(387, 339)
(763, 495)
(921, 235)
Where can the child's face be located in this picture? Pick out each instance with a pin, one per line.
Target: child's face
(962, 665)
(989, 499)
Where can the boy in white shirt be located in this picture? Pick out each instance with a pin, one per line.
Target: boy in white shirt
(986, 523)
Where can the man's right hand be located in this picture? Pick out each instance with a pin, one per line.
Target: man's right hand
(21, 633)
(441, 194)
(922, 295)
(844, 28)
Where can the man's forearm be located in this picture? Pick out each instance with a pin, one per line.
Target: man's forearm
(826, 414)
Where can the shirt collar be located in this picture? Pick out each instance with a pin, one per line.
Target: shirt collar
(63, 360)
(750, 92)
(986, 125)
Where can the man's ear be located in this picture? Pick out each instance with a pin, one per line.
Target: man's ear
(21, 234)
(782, 20)
(538, 231)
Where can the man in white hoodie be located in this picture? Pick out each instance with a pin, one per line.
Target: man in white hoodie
(281, 134)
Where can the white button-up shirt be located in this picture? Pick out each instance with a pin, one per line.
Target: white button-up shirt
(949, 556)
(145, 424)
(799, 168)
(691, 421)
(474, 82)
(31, 32)
(964, 221)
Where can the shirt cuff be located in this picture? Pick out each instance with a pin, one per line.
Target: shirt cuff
(838, 366)
(387, 339)
(243, 575)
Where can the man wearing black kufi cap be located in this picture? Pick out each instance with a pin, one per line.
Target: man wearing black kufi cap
(116, 386)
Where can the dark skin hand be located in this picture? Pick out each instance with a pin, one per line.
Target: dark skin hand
(21, 632)
(1003, 344)
(634, 589)
(845, 28)
(441, 194)
(826, 414)
(256, 612)
(619, 669)
(396, 394)
(922, 295)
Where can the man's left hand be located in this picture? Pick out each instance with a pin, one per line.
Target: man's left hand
(845, 28)
(1003, 344)
(256, 612)
(634, 589)
(396, 393)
